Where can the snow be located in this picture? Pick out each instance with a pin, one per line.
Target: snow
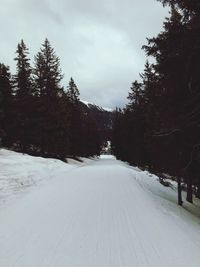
(18, 172)
(88, 104)
(108, 109)
(102, 213)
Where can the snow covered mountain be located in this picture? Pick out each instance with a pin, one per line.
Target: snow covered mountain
(94, 106)
(102, 116)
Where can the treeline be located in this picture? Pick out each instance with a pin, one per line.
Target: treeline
(159, 129)
(40, 117)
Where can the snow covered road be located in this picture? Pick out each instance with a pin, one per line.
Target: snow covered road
(97, 215)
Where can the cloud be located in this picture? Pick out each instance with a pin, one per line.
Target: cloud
(98, 42)
(40, 9)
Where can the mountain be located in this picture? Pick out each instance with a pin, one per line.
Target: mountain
(94, 106)
(102, 116)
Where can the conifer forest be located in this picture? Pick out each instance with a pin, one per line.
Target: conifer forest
(159, 129)
(40, 117)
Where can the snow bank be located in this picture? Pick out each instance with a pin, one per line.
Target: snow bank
(186, 217)
(18, 172)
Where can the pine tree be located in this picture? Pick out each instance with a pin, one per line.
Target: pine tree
(23, 94)
(76, 138)
(134, 96)
(6, 106)
(90, 137)
(73, 92)
(23, 75)
(164, 109)
(176, 51)
(47, 71)
(47, 77)
(118, 135)
(171, 86)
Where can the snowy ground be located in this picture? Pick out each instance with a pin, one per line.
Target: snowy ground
(102, 213)
(18, 172)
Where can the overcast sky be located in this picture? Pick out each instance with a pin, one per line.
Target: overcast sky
(98, 41)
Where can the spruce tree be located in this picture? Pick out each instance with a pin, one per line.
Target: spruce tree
(6, 107)
(73, 92)
(169, 95)
(90, 137)
(47, 71)
(47, 77)
(23, 94)
(76, 137)
(176, 51)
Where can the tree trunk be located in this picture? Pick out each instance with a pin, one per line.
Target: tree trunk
(189, 197)
(180, 202)
(198, 191)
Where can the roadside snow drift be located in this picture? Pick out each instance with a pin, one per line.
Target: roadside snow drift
(20, 171)
(100, 214)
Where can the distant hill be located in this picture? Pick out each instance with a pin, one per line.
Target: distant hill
(102, 116)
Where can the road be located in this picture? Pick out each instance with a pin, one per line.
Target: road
(98, 215)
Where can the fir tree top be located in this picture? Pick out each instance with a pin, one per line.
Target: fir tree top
(72, 91)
